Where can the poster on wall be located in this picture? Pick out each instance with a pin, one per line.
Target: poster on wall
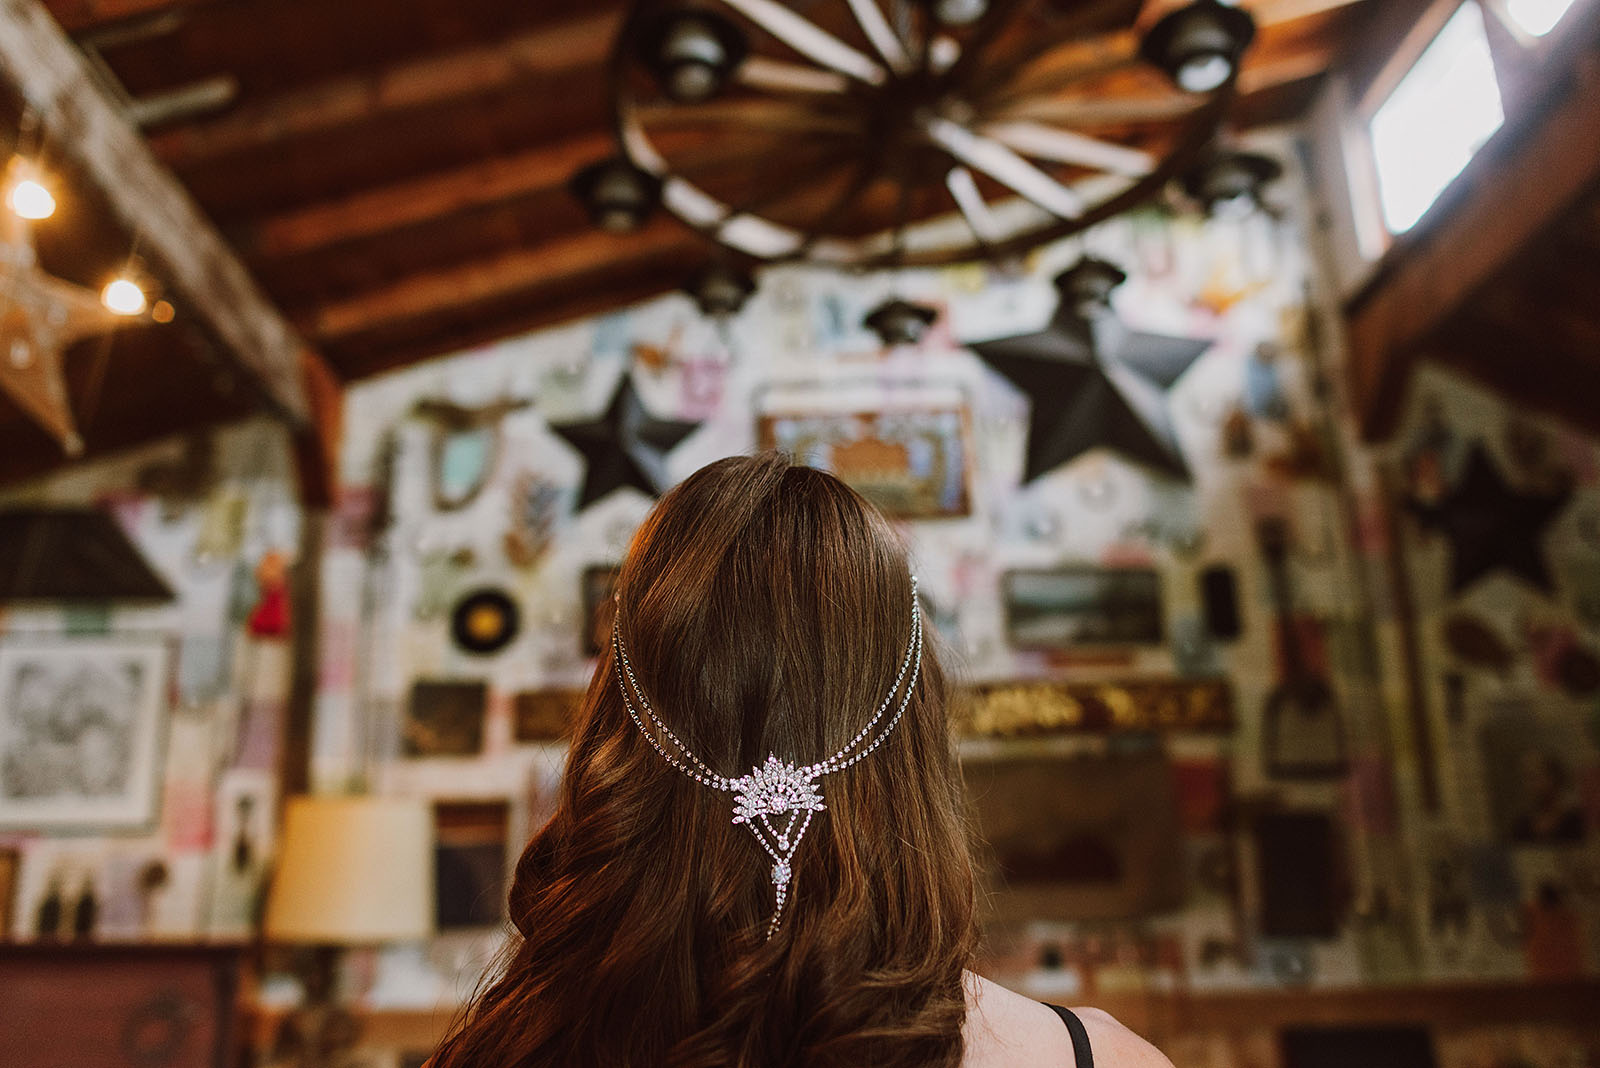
(907, 450)
(81, 726)
(1076, 605)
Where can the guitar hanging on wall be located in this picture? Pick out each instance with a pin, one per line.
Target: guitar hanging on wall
(1302, 726)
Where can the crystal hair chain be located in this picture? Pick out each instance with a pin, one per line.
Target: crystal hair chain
(776, 788)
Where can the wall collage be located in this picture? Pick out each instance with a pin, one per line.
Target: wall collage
(1186, 631)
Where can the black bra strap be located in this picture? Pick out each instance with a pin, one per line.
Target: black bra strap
(1080, 1037)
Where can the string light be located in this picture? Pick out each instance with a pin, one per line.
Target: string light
(27, 196)
(123, 297)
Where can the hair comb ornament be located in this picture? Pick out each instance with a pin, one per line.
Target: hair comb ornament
(778, 798)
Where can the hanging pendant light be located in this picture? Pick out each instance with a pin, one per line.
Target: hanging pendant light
(900, 322)
(26, 195)
(1086, 286)
(619, 196)
(1199, 46)
(691, 53)
(1229, 183)
(720, 291)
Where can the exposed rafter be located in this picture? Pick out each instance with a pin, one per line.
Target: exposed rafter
(55, 83)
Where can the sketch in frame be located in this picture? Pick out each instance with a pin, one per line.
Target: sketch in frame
(1078, 605)
(82, 723)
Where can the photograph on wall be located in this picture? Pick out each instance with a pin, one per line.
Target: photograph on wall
(911, 456)
(544, 715)
(1077, 605)
(444, 718)
(10, 862)
(1532, 766)
(470, 845)
(81, 731)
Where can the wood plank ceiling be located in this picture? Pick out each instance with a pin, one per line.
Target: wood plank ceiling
(394, 174)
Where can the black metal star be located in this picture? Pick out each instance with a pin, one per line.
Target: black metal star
(1093, 382)
(1491, 526)
(624, 446)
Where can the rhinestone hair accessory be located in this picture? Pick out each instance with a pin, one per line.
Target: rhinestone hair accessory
(778, 798)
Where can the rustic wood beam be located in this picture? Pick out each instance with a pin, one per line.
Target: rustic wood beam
(175, 239)
(439, 79)
(81, 16)
(1537, 169)
(524, 270)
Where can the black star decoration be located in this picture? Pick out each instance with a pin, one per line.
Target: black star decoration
(1491, 526)
(1093, 382)
(624, 446)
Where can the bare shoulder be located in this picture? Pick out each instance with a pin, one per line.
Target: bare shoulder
(1006, 1030)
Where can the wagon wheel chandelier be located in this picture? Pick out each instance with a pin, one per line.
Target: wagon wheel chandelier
(880, 133)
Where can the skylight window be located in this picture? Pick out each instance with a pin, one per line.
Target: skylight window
(1537, 17)
(1437, 118)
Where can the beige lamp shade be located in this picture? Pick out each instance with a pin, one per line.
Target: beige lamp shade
(353, 871)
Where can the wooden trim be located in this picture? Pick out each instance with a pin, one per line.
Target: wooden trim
(180, 244)
(553, 50)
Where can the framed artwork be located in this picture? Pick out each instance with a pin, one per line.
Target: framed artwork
(599, 583)
(1533, 766)
(1078, 605)
(470, 846)
(10, 862)
(544, 715)
(1077, 836)
(1017, 709)
(82, 724)
(908, 450)
(444, 718)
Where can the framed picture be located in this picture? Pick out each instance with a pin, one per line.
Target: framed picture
(471, 840)
(10, 862)
(908, 450)
(1533, 768)
(599, 583)
(82, 721)
(1070, 607)
(444, 718)
(544, 715)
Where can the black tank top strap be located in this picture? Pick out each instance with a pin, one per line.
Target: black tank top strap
(1080, 1037)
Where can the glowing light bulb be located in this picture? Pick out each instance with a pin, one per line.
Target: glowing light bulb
(30, 200)
(123, 296)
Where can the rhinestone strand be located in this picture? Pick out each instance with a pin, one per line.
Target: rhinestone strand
(777, 788)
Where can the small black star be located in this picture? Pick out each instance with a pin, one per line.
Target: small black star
(624, 446)
(1491, 526)
(1093, 382)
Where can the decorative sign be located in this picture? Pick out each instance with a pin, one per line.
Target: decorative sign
(1025, 708)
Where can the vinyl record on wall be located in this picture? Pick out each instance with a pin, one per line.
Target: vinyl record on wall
(484, 621)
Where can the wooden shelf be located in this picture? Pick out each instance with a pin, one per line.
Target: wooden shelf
(1161, 1016)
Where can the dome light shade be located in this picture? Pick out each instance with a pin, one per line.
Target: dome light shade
(719, 291)
(123, 296)
(1199, 46)
(1229, 182)
(958, 12)
(692, 52)
(29, 199)
(619, 196)
(1086, 286)
(900, 322)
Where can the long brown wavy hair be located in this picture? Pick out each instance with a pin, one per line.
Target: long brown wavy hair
(766, 608)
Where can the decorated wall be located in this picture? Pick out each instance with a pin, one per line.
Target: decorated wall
(1180, 623)
(143, 739)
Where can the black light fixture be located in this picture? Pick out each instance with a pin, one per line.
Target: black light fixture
(691, 52)
(1199, 46)
(1228, 182)
(957, 12)
(900, 322)
(618, 195)
(1086, 286)
(720, 290)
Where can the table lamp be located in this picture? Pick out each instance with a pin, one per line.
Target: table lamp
(352, 871)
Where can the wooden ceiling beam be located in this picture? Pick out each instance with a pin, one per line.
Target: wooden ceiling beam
(439, 79)
(524, 270)
(175, 239)
(1536, 170)
(84, 16)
